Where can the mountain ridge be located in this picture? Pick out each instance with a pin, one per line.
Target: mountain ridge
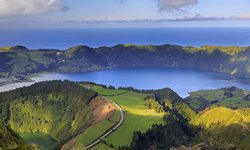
(231, 60)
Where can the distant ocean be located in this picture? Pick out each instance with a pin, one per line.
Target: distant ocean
(65, 38)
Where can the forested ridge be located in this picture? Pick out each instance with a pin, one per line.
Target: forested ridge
(20, 60)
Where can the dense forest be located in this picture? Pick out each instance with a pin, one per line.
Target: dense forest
(18, 60)
(57, 108)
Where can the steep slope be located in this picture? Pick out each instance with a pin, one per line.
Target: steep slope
(175, 132)
(174, 103)
(57, 108)
(11, 140)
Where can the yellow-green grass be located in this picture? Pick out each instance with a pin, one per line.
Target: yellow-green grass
(222, 116)
(196, 104)
(116, 117)
(235, 101)
(209, 95)
(101, 146)
(137, 116)
(224, 127)
(108, 92)
(93, 132)
(230, 50)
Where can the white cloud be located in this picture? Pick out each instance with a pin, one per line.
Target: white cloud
(170, 5)
(30, 7)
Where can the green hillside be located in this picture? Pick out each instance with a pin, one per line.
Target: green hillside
(223, 128)
(171, 100)
(18, 60)
(231, 97)
(138, 117)
(57, 108)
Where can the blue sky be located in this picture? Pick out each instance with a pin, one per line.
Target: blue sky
(123, 13)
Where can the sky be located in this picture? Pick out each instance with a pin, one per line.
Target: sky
(123, 13)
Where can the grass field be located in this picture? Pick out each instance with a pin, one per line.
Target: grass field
(95, 131)
(216, 97)
(101, 146)
(209, 95)
(137, 116)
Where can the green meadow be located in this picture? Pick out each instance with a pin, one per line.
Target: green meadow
(95, 131)
(137, 116)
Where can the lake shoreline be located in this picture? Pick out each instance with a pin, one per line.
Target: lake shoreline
(183, 81)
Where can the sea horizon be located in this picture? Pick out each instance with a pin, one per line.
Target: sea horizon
(64, 38)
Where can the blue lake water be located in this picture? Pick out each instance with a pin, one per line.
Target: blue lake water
(65, 38)
(182, 81)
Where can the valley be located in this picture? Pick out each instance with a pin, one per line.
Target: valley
(147, 113)
(87, 115)
(124, 75)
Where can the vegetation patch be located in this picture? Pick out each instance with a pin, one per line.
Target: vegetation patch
(40, 139)
(231, 97)
(57, 108)
(138, 117)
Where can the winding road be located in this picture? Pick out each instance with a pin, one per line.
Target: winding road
(108, 132)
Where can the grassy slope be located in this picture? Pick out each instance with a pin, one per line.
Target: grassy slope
(95, 131)
(101, 146)
(225, 128)
(137, 116)
(201, 98)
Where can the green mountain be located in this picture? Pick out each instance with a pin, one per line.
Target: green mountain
(224, 128)
(231, 60)
(57, 108)
(214, 128)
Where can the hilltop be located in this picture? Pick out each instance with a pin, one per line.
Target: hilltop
(21, 61)
(224, 128)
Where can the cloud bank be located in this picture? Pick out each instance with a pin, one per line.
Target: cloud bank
(30, 7)
(170, 5)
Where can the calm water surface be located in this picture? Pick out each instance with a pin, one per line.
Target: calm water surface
(65, 38)
(182, 81)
